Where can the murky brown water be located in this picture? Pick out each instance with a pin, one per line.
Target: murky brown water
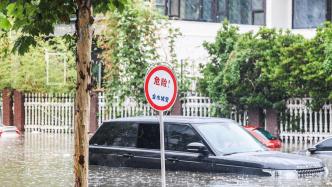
(46, 160)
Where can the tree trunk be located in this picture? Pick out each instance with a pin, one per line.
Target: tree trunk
(82, 101)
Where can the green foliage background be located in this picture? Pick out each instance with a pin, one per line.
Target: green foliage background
(28, 72)
(129, 48)
(263, 69)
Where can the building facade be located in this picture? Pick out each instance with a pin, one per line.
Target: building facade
(199, 20)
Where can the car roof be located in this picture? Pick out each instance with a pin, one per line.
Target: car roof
(172, 119)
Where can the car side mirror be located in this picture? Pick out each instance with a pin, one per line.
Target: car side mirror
(197, 147)
(312, 149)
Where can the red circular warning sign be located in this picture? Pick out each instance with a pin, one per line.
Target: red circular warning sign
(160, 88)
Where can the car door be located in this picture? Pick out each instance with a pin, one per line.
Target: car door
(147, 152)
(178, 136)
(113, 144)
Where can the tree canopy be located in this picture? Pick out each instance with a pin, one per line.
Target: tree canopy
(264, 69)
(34, 18)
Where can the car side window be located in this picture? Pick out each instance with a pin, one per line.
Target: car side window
(148, 136)
(116, 134)
(325, 145)
(179, 136)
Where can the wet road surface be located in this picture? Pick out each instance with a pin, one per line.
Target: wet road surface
(38, 159)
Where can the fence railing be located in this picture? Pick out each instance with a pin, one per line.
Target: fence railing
(194, 104)
(55, 113)
(49, 113)
(115, 109)
(1, 108)
(300, 123)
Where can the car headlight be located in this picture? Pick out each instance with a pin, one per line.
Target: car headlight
(326, 171)
(285, 174)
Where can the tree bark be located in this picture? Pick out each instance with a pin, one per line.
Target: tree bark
(82, 101)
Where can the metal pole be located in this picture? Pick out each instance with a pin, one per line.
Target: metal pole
(181, 85)
(162, 149)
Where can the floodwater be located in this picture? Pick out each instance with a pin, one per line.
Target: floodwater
(39, 159)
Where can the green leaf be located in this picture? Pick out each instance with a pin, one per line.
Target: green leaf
(4, 22)
(11, 9)
(23, 43)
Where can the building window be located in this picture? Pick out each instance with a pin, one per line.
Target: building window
(160, 6)
(250, 12)
(310, 13)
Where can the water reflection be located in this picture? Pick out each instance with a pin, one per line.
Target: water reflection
(38, 159)
(104, 176)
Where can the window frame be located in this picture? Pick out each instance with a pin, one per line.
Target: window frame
(168, 5)
(194, 130)
(117, 123)
(214, 12)
(255, 11)
(328, 16)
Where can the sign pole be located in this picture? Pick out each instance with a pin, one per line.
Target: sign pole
(160, 89)
(162, 149)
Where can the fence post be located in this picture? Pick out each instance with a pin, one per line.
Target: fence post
(177, 107)
(93, 112)
(255, 117)
(272, 122)
(19, 112)
(7, 106)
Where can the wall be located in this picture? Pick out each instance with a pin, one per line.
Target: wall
(279, 14)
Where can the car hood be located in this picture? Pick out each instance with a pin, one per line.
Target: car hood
(271, 160)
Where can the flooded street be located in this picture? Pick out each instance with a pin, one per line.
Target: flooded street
(38, 159)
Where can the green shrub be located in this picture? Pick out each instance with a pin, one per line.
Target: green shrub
(263, 69)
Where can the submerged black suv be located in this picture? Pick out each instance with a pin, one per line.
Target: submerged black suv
(193, 144)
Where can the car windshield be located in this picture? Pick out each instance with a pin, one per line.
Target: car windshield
(264, 134)
(229, 138)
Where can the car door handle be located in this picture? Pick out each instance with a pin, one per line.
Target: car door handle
(172, 159)
(128, 155)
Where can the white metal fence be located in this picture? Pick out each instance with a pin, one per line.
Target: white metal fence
(49, 113)
(194, 104)
(299, 123)
(115, 109)
(55, 113)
